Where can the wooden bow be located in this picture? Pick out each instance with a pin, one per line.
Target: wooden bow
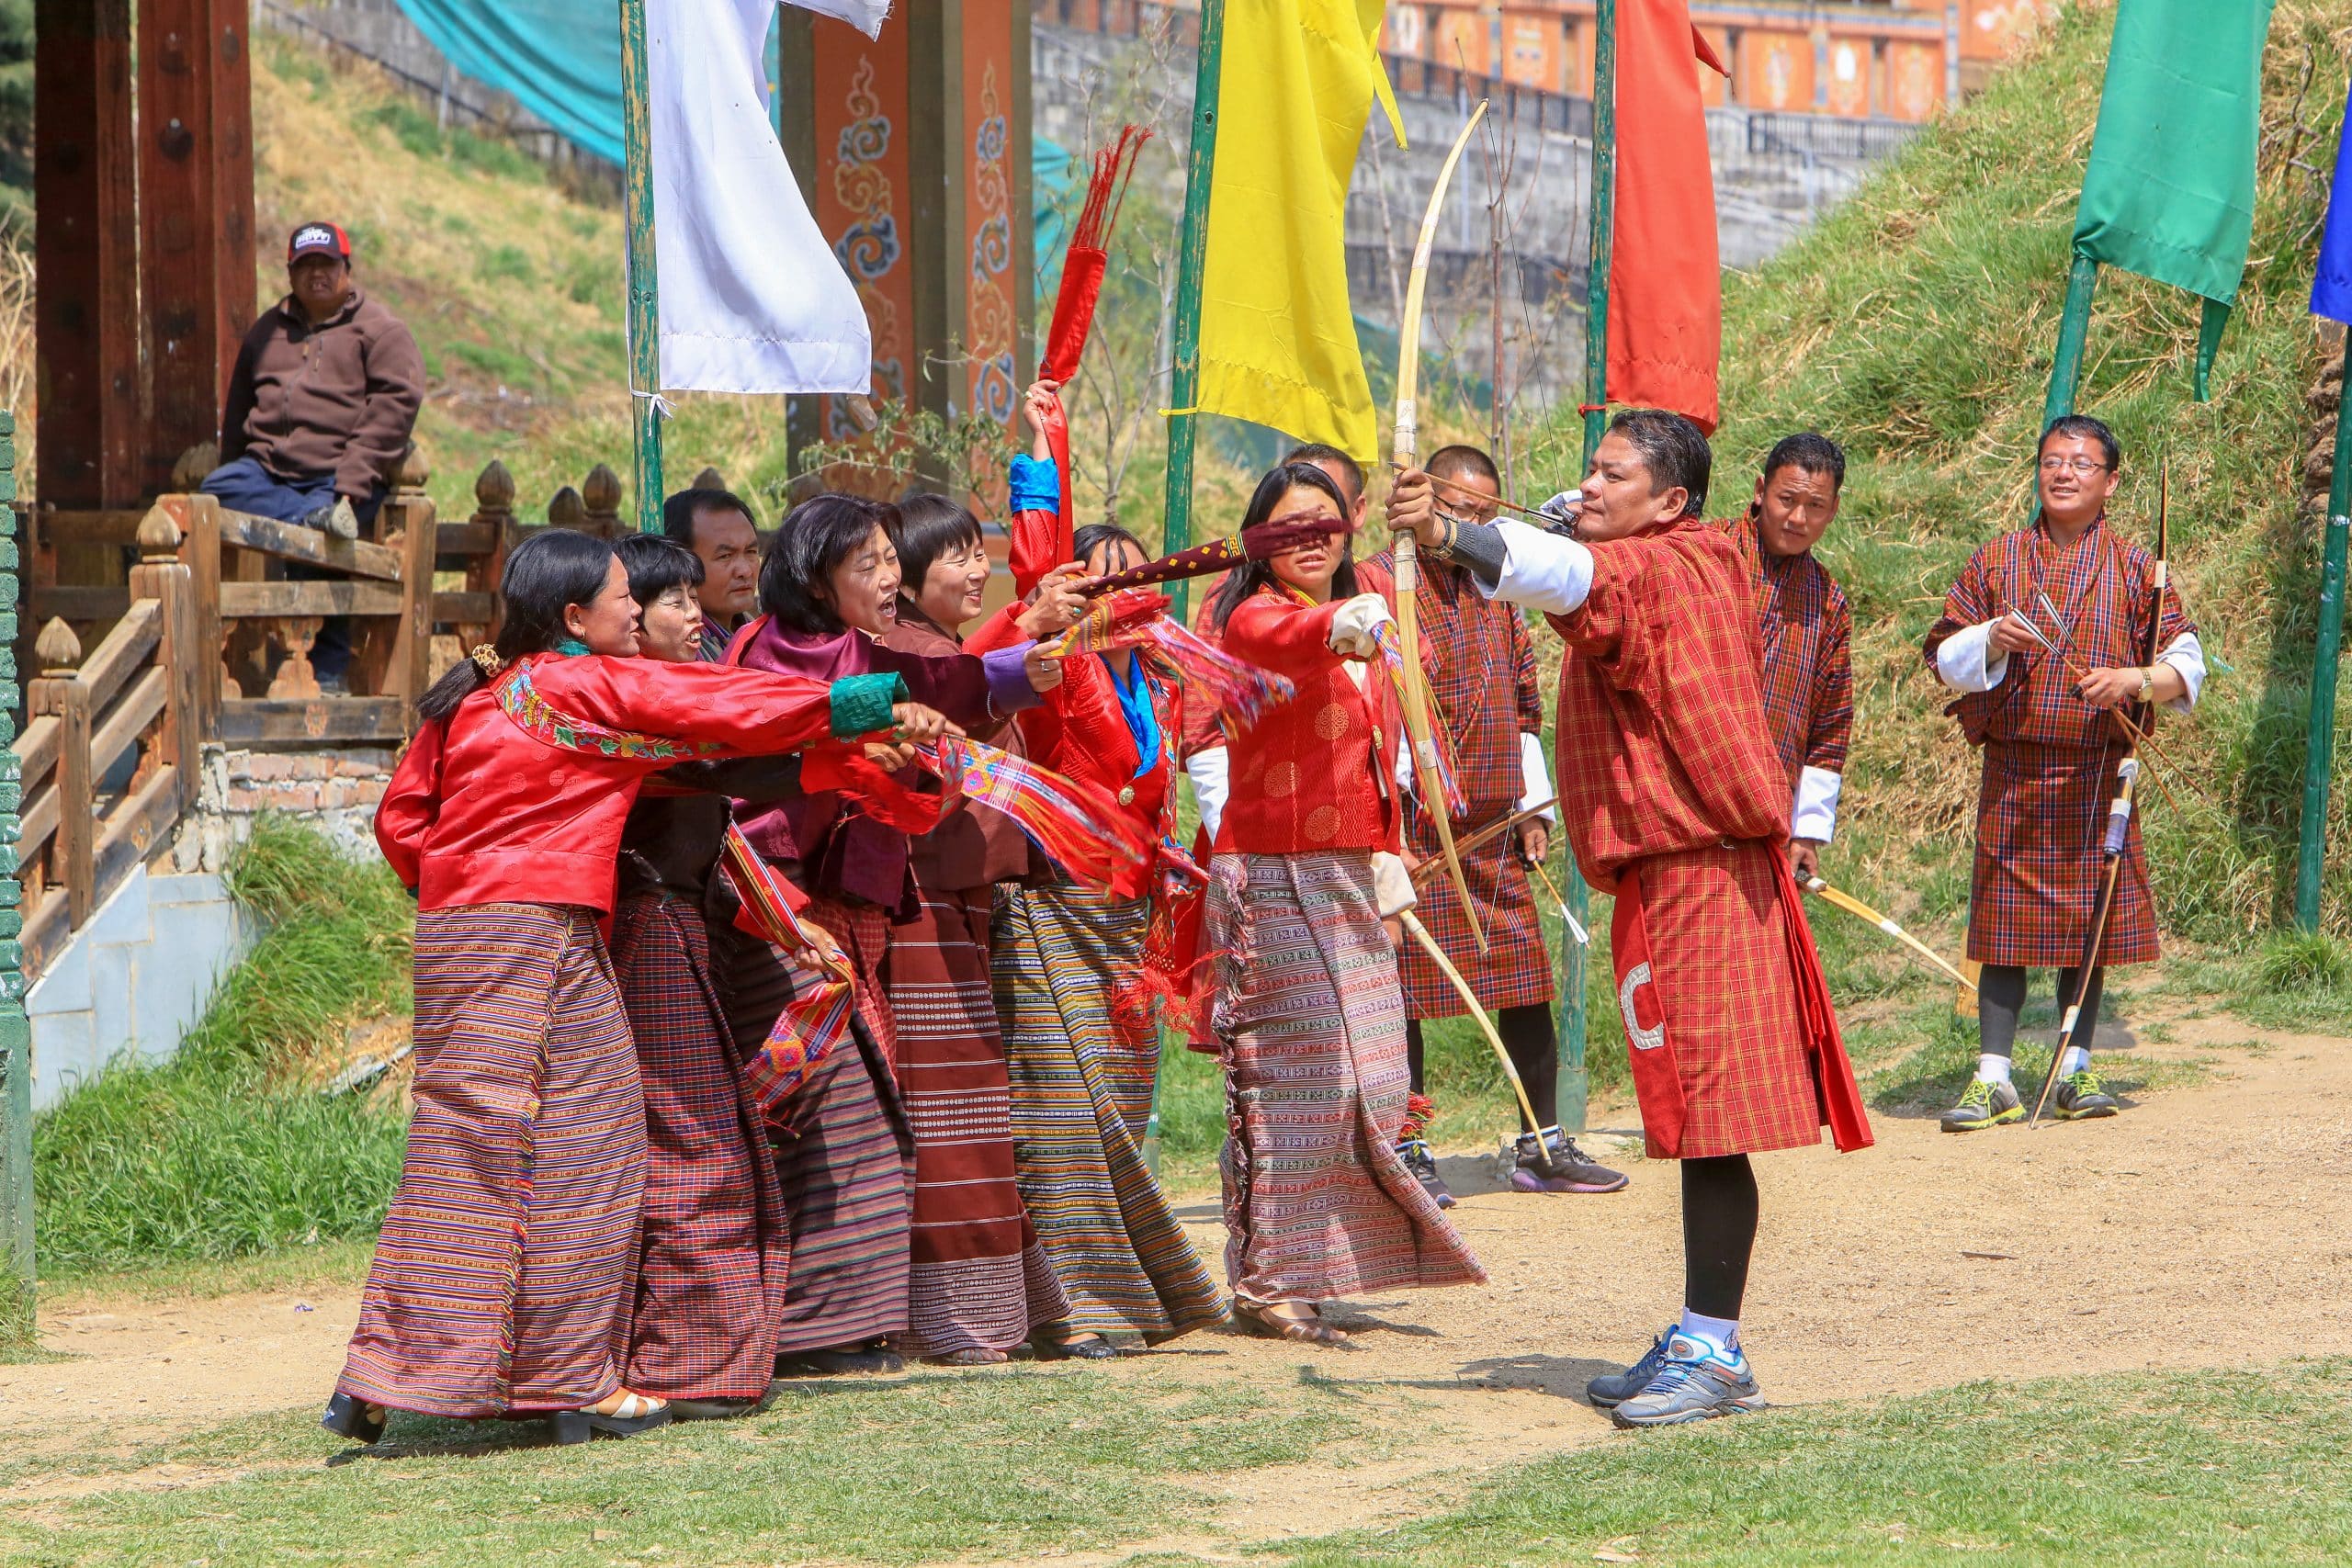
(2118, 812)
(1416, 691)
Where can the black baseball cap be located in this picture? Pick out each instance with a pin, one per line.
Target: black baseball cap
(318, 240)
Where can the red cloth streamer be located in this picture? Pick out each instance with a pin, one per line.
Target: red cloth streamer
(1079, 827)
(877, 790)
(818, 1016)
(1087, 257)
(1666, 301)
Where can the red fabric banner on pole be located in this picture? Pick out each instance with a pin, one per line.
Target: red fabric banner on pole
(1666, 302)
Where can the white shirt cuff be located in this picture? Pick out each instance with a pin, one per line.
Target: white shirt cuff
(1405, 779)
(1815, 813)
(1535, 777)
(2187, 656)
(1392, 886)
(1540, 570)
(1207, 771)
(1964, 660)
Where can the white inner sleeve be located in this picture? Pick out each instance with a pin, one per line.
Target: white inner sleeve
(1391, 884)
(1964, 660)
(2187, 656)
(1540, 570)
(1815, 813)
(1210, 787)
(1535, 776)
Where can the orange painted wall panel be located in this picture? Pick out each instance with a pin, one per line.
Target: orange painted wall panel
(1990, 28)
(1459, 38)
(1915, 80)
(1714, 90)
(1849, 77)
(1775, 70)
(1530, 44)
(865, 198)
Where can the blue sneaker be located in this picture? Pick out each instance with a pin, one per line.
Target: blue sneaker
(1697, 1382)
(1612, 1388)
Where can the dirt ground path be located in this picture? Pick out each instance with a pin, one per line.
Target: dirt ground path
(2203, 1227)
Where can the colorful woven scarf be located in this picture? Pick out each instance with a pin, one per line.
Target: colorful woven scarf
(818, 1016)
(1136, 617)
(1079, 827)
(519, 698)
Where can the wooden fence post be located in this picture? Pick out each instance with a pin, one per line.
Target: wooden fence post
(566, 509)
(77, 825)
(494, 510)
(161, 577)
(16, 1031)
(412, 651)
(600, 497)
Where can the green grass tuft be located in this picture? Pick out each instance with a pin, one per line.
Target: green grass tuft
(2307, 961)
(213, 1154)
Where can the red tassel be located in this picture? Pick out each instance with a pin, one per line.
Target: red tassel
(1087, 257)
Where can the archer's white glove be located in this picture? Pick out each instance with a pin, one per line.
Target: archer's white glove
(1352, 628)
(1392, 885)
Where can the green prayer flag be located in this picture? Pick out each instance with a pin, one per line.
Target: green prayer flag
(2169, 193)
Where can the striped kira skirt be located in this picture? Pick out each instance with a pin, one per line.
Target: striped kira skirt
(503, 1280)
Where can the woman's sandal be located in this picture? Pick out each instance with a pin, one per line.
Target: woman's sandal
(630, 1414)
(1263, 1321)
(1077, 1347)
(348, 1417)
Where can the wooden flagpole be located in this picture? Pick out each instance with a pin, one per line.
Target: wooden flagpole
(1575, 956)
(644, 294)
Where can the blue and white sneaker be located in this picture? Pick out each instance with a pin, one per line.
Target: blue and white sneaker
(1696, 1383)
(1610, 1390)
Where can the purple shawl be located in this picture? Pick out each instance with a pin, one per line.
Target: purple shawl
(824, 842)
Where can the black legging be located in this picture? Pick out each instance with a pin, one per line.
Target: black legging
(1534, 1051)
(1718, 1233)
(2000, 998)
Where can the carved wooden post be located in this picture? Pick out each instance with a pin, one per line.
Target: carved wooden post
(710, 479)
(60, 652)
(160, 576)
(600, 496)
(201, 552)
(16, 1031)
(409, 510)
(566, 509)
(494, 512)
(295, 678)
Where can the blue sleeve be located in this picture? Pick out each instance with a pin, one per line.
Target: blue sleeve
(1036, 487)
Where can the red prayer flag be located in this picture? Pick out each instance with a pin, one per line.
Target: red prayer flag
(1666, 302)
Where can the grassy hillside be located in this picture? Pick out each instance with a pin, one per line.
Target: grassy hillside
(1916, 325)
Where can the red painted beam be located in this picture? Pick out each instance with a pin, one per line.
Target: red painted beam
(85, 255)
(195, 253)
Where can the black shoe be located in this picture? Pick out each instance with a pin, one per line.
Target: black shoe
(711, 1409)
(2081, 1096)
(1423, 1165)
(1610, 1390)
(1561, 1166)
(841, 1361)
(1045, 1348)
(350, 1417)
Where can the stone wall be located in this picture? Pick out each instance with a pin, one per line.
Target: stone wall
(335, 789)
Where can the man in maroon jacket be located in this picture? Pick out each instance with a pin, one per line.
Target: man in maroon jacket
(321, 404)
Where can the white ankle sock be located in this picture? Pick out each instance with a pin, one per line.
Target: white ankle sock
(1991, 1068)
(1720, 1335)
(2076, 1059)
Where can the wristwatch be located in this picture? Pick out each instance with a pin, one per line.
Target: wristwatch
(2147, 683)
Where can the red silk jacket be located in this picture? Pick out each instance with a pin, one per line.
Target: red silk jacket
(482, 811)
(1080, 731)
(1317, 773)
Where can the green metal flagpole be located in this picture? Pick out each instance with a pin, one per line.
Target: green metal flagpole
(1184, 371)
(644, 293)
(16, 1031)
(2319, 755)
(1575, 955)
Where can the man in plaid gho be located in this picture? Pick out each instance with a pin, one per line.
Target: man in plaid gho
(1479, 652)
(2042, 633)
(1675, 802)
(1808, 668)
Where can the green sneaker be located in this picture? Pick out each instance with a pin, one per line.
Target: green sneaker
(1985, 1103)
(2080, 1097)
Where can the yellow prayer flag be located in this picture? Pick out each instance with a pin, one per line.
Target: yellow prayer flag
(1278, 336)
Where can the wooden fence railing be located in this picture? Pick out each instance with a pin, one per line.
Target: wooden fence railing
(209, 638)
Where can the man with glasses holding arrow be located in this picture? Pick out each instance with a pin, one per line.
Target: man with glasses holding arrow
(2042, 638)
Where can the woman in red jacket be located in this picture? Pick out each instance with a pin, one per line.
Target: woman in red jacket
(1067, 961)
(502, 1282)
(1308, 1015)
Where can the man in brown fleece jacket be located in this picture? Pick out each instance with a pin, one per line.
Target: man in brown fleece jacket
(321, 404)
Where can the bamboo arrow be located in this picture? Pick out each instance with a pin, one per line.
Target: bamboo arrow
(1500, 826)
(1416, 692)
(1868, 916)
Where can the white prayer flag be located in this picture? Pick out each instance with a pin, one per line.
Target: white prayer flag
(752, 299)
